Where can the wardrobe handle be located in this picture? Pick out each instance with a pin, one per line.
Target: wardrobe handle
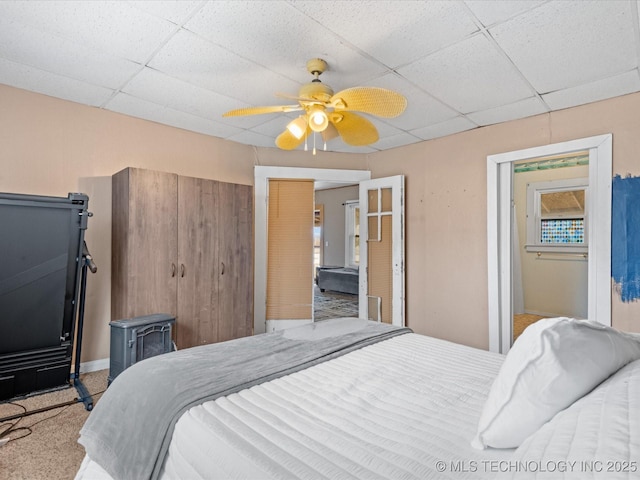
(173, 270)
(182, 270)
(222, 273)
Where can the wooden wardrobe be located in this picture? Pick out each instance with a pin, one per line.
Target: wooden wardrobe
(183, 246)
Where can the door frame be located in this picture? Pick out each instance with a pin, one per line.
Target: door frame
(262, 175)
(500, 227)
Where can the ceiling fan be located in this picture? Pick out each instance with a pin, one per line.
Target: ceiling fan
(331, 114)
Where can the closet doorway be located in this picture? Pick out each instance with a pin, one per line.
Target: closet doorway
(500, 232)
(550, 239)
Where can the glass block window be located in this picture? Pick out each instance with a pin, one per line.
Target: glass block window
(567, 231)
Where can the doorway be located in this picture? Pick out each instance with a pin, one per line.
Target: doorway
(336, 278)
(500, 232)
(262, 176)
(550, 239)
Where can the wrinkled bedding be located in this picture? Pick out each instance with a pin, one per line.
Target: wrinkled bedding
(146, 400)
(403, 408)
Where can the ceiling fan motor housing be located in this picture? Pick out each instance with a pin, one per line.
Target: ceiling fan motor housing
(317, 91)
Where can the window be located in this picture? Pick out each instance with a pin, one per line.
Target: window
(557, 216)
(352, 231)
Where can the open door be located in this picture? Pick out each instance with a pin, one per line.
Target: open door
(382, 296)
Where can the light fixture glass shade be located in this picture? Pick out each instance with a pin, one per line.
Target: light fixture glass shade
(318, 120)
(297, 127)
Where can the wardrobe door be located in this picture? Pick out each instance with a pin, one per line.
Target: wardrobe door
(235, 261)
(198, 227)
(144, 243)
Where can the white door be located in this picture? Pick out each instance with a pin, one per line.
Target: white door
(382, 250)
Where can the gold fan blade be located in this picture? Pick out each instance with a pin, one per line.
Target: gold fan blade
(330, 132)
(373, 100)
(287, 141)
(260, 110)
(354, 129)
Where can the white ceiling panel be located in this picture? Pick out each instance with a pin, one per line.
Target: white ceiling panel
(137, 107)
(198, 61)
(423, 108)
(385, 29)
(455, 125)
(269, 32)
(468, 76)
(575, 42)
(460, 63)
(524, 108)
(176, 11)
(159, 88)
(592, 92)
(490, 13)
(25, 44)
(30, 78)
(394, 141)
(115, 27)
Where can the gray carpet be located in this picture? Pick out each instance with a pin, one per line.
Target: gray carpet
(330, 304)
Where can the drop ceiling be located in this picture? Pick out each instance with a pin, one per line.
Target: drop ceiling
(461, 64)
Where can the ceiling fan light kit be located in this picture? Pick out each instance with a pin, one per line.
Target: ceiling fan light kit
(318, 120)
(298, 127)
(331, 114)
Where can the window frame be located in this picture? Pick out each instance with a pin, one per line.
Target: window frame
(535, 190)
(350, 233)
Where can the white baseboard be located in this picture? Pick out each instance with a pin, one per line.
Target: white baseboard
(274, 325)
(94, 365)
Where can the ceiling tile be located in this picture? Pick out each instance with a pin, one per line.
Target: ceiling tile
(394, 141)
(139, 108)
(504, 113)
(159, 88)
(30, 78)
(566, 43)
(27, 45)
(176, 11)
(456, 125)
(270, 34)
(422, 109)
(199, 62)
(592, 92)
(490, 13)
(469, 76)
(112, 27)
(384, 29)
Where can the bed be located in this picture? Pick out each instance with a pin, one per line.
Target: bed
(358, 400)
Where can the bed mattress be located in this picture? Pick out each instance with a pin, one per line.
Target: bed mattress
(404, 408)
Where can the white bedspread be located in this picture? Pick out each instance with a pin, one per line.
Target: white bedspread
(405, 408)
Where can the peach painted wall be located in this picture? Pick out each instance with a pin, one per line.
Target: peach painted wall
(446, 209)
(52, 147)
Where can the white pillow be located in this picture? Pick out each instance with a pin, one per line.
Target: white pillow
(552, 364)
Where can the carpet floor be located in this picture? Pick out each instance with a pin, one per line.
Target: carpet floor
(522, 321)
(45, 445)
(330, 304)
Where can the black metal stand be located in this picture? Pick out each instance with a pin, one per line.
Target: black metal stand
(83, 394)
